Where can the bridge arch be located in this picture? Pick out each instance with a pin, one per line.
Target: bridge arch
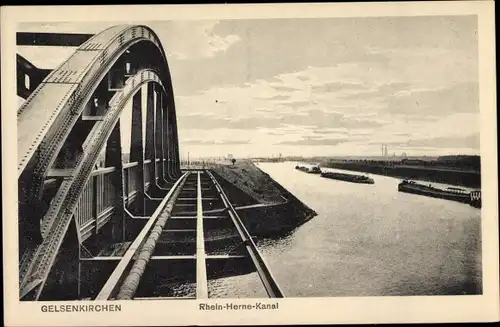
(50, 113)
(76, 108)
(67, 89)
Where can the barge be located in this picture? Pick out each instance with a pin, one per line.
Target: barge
(309, 170)
(348, 177)
(451, 193)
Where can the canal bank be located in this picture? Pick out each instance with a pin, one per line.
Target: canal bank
(448, 176)
(265, 207)
(371, 240)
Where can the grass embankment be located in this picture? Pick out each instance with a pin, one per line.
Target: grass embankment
(252, 181)
(245, 184)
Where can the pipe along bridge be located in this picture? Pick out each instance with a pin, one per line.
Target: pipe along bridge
(99, 220)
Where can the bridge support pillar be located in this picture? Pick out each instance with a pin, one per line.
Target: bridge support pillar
(165, 140)
(149, 152)
(136, 151)
(168, 142)
(176, 172)
(114, 159)
(159, 141)
(176, 159)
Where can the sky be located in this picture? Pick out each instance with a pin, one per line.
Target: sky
(314, 87)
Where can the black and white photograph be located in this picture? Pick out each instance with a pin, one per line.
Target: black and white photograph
(257, 159)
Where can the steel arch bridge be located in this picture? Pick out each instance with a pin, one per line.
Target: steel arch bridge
(77, 196)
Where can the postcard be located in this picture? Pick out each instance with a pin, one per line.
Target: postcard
(256, 164)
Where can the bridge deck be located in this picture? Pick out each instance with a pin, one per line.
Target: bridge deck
(188, 247)
(68, 123)
(201, 265)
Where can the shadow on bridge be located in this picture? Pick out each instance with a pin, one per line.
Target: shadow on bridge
(89, 221)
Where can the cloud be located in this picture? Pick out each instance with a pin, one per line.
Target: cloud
(284, 88)
(380, 91)
(314, 142)
(316, 119)
(45, 57)
(457, 98)
(274, 97)
(273, 133)
(182, 40)
(322, 119)
(207, 122)
(456, 125)
(406, 81)
(264, 109)
(215, 142)
(468, 142)
(295, 104)
(221, 44)
(457, 142)
(323, 131)
(193, 40)
(337, 86)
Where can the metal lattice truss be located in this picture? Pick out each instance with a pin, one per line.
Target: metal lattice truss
(67, 121)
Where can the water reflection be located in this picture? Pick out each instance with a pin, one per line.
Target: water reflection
(279, 242)
(242, 286)
(367, 240)
(371, 240)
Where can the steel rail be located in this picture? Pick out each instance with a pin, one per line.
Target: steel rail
(201, 267)
(112, 283)
(131, 282)
(272, 288)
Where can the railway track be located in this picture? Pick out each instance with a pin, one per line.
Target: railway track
(76, 217)
(184, 246)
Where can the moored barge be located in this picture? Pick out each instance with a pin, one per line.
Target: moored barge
(309, 170)
(451, 193)
(348, 177)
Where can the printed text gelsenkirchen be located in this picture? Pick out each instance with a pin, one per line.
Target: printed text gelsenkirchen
(81, 308)
(233, 306)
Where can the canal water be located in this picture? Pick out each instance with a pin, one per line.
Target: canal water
(368, 240)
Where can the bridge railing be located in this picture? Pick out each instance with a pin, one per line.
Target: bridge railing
(158, 165)
(96, 204)
(147, 174)
(131, 176)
